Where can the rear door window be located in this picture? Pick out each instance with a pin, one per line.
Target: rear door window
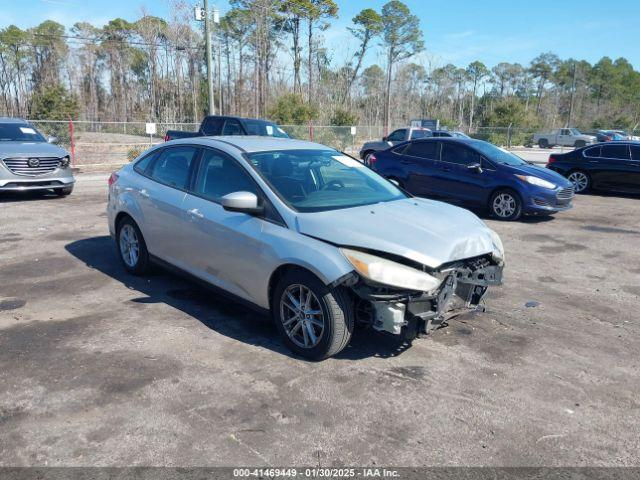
(429, 150)
(593, 152)
(212, 126)
(615, 151)
(232, 127)
(453, 153)
(173, 166)
(142, 164)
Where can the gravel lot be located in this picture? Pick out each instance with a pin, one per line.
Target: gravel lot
(100, 368)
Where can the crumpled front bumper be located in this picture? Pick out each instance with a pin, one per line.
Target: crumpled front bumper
(409, 313)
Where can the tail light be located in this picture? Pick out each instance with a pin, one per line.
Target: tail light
(166, 138)
(552, 159)
(113, 178)
(372, 160)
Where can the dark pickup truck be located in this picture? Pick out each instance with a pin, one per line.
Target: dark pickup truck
(223, 125)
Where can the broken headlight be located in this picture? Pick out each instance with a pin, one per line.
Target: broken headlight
(385, 271)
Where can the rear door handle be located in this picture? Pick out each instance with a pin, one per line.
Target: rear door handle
(144, 193)
(406, 162)
(194, 212)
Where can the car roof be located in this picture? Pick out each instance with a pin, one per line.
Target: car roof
(12, 120)
(254, 143)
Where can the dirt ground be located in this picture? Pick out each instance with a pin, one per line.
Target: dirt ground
(100, 368)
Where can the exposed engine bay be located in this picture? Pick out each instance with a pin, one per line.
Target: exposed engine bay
(409, 313)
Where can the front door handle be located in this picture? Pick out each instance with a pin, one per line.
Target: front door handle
(406, 162)
(194, 212)
(144, 193)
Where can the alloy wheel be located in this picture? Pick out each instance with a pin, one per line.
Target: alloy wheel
(129, 245)
(504, 205)
(301, 316)
(580, 181)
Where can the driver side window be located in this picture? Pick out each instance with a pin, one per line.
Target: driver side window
(220, 175)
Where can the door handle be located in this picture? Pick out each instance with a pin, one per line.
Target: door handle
(445, 169)
(406, 162)
(194, 212)
(144, 193)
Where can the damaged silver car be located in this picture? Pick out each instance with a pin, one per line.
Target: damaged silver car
(305, 233)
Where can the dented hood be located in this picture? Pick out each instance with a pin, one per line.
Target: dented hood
(425, 231)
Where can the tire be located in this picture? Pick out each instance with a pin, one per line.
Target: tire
(581, 181)
(366, 156)
(580, 144)
(543, 143)
(506, 204)
(64, 192)
(140, 264)
(331, 324)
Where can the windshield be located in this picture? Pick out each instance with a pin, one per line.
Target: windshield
(264, 129)
(421, 134)
(496, 154)
(19, 132)
(575, 131)
(320, 180)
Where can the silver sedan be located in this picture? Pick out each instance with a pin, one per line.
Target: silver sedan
(303, 232)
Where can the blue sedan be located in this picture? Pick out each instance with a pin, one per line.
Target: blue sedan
(475, 174)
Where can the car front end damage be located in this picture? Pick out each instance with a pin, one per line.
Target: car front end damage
(453, 288)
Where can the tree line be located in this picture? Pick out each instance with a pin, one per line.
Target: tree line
(271, 61)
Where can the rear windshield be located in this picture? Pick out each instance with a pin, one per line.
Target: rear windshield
(264, 129)
(19, 132)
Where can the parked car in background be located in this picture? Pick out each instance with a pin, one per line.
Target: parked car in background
(611, 135)
(449, 133)
(613, 166)
(395, 137)
(224, 125)
(476, 174)
(304, 232)
(29, 161)
(563, 137)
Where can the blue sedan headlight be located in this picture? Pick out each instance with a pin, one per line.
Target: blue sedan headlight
(537, 181)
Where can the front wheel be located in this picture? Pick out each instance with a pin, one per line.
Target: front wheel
(506, 205)
(581, 181)
(64, 192)
(315, 321)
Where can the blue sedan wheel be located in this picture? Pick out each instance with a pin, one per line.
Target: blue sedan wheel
(506, 205)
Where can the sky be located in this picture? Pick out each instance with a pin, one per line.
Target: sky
(457, 32)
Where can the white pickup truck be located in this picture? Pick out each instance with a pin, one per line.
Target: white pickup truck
(564, 137)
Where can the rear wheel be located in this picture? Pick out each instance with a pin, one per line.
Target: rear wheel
(581, 181)
(543, 143)
(132, 249)
(64, 192)
(315, 321)
(506, 205)
(580, 143)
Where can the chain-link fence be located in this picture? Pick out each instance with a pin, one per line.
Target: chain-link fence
(115, 143)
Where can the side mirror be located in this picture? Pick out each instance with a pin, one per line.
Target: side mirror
(384, 139)
(52, 139)
(242, 202)
(475, 167)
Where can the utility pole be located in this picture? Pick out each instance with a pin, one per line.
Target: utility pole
(216, 21)
(207, 34)
(573, 89)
